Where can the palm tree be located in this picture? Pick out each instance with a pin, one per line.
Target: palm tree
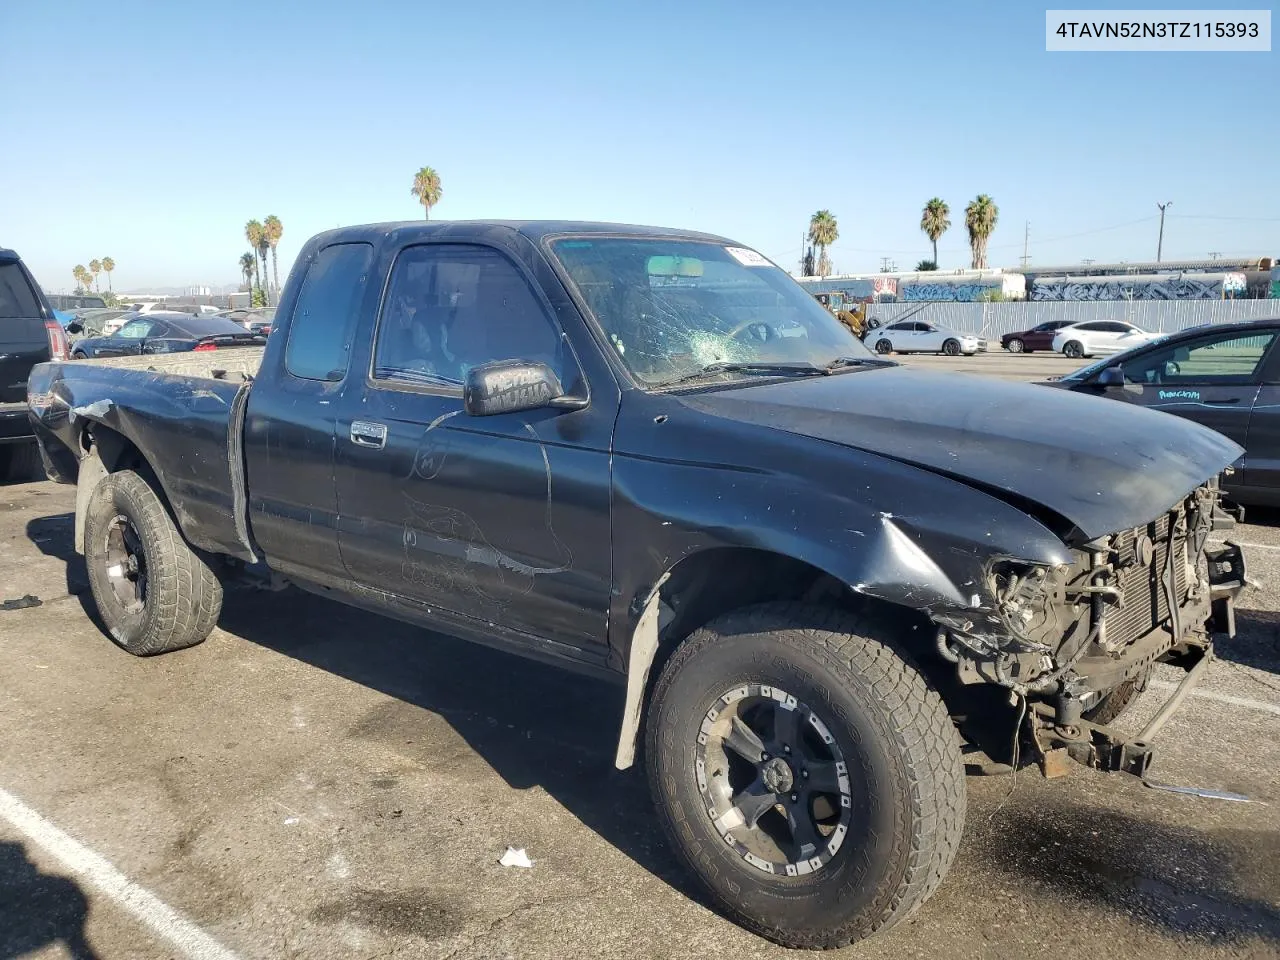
(823, 232)
(107, 266)
(935, 221)
(926, 265)
(248, 267)
(274, 230)
(81, 275)
(980, 218)
(95, 267)
(426, 187)
(254, 233)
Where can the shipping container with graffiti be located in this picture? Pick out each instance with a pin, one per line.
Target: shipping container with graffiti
(1151, 286)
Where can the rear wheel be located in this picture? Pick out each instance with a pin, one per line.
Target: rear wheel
(951, 348)
(79, 355)
(884, 346)
(805, 772)
(1015, 346)
(153, 592)
(20, 462)
(1073, 349)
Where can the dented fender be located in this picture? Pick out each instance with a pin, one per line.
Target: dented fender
(180, 425)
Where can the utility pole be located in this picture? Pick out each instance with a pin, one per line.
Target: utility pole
(1026, 240)
(1087, 260)
(1214, 254)
(1160, 241)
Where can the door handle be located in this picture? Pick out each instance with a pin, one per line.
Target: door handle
(368, 434)
(1223, 403)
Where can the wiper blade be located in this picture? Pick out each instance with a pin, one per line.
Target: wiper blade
(843, 362)
(801, 368)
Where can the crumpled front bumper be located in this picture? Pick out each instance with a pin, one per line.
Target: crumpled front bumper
(1059, 740)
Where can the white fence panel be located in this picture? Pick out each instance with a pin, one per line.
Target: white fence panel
(993, 319)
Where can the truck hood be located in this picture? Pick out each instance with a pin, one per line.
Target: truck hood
(1102, 465)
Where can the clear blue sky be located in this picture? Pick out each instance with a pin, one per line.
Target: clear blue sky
(151, 131)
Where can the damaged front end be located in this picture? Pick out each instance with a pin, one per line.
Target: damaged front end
(1061, 638)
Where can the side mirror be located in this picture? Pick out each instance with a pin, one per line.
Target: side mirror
(509, 386)
(74, 327)
(1111, 377)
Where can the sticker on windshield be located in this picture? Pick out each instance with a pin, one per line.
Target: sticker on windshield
(748, 258)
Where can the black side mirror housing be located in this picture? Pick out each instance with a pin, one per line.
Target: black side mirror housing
(510, 386)
(1111, 377)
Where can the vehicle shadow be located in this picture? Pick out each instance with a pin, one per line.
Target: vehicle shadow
(1256, 643)
(1219, 884)
(535, 725)
(55, 536)
(39, 909)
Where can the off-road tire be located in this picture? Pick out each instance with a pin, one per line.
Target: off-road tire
(20, 462)
(1114, 704)
(951, 348)
(1015, 346)
(1073, 350)
(904, 765)
(883, 346)
(183, 596)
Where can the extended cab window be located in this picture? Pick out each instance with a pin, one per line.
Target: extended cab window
(450, 307)
(324, 318)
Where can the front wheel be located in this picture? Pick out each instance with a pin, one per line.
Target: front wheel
(805, 773)
(951, 348)
(153, 592)
(1015, 346)
(1073, 350)
(884, 347)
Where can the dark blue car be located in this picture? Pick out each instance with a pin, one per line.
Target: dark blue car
(165, 333)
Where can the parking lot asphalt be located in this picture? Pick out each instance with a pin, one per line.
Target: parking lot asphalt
(314, 781)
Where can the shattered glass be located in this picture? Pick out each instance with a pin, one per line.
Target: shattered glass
(673, 307)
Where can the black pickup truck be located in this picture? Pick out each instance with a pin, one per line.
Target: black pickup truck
(650, 456)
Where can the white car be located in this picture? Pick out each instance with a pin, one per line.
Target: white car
(1099, 337)
(916, 336)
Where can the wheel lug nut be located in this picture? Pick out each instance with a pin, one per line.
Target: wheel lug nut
(805, 774)
(794, 798)
(786, 749)
(764, 756)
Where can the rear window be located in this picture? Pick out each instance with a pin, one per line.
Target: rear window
(324, 318)
(206, 326)
(16, 298)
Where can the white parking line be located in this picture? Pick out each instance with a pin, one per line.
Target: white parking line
(1258, 546)
(162, 919)
(1223, 698)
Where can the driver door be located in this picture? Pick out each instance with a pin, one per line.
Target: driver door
(501, 519)
(128, 340)
(1213, 380)
(928, 338)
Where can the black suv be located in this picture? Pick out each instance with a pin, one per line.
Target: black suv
(29, 334)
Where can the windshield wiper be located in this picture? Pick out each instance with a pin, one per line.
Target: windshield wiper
(845, 362)
(802, 368)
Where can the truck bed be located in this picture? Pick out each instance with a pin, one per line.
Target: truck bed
(238, 363)
(182, 412)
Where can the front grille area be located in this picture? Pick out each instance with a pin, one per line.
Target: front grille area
(1146, 605)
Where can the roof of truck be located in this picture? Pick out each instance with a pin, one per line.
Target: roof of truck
(534, 230)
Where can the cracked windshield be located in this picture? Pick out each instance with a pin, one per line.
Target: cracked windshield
(674, 308)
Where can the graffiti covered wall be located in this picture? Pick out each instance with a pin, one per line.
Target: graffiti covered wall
(916, 290)
(1187, 287)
